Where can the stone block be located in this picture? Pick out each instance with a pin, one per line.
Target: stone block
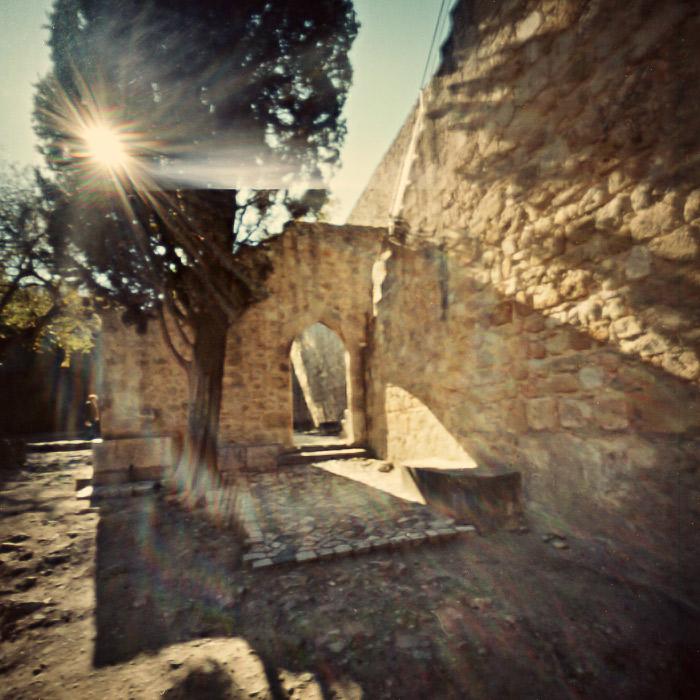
(580, 230)
(611, 413)
(645, 345)
(306, 555)
(684, 364)
(580, 341)
(518, 370)
(681, 245)
(528, 27)
(262, 456)
(231, 457)
(514, 419)
(638, 263)
(126, 476)
(131, 459)
(575, 284)
(627, 327)
(691, 209)
(541, 413)
(557, 343)
(536, 350)
(563, 384)
(262, 563)
(502, 313)
(473, 496)
(649, 223)
(591, 377)
(574, 413)
(343, 549)
(534, 323)
(609, 216)
(544, 296)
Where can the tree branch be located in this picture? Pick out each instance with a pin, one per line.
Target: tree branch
(184, 363)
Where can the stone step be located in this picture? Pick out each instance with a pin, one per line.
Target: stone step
(305, 456)
(61, 445)
(83, 478)
(321, 447)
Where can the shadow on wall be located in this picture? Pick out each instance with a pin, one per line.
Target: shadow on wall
(594, 432)
(575, 161)
(414, 432)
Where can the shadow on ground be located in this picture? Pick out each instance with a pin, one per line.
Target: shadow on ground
(507, 616)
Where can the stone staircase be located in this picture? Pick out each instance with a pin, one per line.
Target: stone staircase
(308, 454)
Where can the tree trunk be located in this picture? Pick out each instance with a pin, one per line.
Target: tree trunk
(205, 386)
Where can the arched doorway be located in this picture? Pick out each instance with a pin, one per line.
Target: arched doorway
(320, 371)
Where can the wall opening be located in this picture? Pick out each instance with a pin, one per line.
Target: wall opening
(320, 370)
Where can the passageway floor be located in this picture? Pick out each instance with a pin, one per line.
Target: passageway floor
(305, 513)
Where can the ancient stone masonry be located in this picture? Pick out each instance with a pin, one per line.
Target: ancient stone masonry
(538, 311)
(545, 308)
(142, 389)
(320, 274)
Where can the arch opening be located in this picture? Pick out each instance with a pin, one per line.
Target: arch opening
(320, 380)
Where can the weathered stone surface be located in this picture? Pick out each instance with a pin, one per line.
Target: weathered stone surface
(652, 222)
(541, 413)
(563, 384)
(557, 191)
(574, 413)
(591, 378)
(609, 217)
(611, 413)
(528, 27)
(691, 209)
(681, 245)
(627, 327)
(638, 263)
(134, 459)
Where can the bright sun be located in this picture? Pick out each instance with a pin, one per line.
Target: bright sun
(105, 146)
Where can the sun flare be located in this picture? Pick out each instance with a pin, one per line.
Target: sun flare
(105, 145)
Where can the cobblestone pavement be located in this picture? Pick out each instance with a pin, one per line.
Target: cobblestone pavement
(304, 513)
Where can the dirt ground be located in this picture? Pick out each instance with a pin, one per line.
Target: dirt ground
(137, 598)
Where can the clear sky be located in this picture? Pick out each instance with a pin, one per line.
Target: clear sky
(388, 58)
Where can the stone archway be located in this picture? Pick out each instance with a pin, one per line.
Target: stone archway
(319, 364)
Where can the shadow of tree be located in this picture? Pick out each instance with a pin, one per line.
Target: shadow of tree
(555, 115)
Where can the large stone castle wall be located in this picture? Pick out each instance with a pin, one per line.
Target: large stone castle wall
(544, 307)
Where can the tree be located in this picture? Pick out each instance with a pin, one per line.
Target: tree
(40, 306)
(179, 131)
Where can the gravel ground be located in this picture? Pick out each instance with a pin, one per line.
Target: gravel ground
(138, 597)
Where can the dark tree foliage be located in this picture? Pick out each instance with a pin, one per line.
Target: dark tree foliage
(40, 307)
(222, 108)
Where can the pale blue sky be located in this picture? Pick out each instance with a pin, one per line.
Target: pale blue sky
(388, 58)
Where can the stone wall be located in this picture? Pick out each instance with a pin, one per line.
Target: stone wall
(142, 389)
(320, 273)
(545, 304)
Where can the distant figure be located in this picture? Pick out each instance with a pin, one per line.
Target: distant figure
(92, 416)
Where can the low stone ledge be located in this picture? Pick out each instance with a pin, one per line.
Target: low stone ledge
(233, 458)
(467, 494)
(121, 461)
